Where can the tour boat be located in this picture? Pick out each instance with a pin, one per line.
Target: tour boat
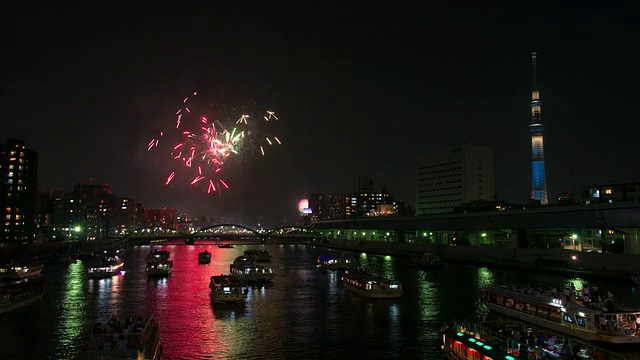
(333, 262)
(244, 269)
(159, 267)
(371, 286)
(579, 314)
(227, 289)
(125, 339)
(20, 269)
(204, 257)
(258, 255)
(20, 293)
(109, 266)
(158, 255)
(225, 246)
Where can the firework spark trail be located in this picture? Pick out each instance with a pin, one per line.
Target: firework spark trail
(205, 144)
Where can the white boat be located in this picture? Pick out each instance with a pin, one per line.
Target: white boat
(258, 255)
(109, 266)
(246, 270)
(371, 286)
(428, 260)
(139, 339)
(334, 262)
(204, 257)
(20, 293)
(578, 314)
(227, 289)
(159, 268)
(20, 269)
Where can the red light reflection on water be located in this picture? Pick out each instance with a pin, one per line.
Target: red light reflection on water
(182, 303)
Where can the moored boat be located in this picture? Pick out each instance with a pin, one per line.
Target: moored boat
(258, 255)
(428, 260)
(204, 257)
(227, 289)
(580, 314)
(125, 339)
(20, 269)
(108, 267)
(159, 267)
(371, 286)
(334, 262)
(17, 294)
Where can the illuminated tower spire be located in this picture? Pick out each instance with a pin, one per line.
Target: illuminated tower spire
(536, 129)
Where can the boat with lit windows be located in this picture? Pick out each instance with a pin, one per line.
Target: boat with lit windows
(158, 255)
(20, 269)
(245, 269)
(580, 314)
(258, 255)
(428, 260)
(334, 262)
(159, 268)
(459, 342)
(227, 289)
(204, 257)
(19, 293)
(371, 286)
(125, 339)
(109, 266)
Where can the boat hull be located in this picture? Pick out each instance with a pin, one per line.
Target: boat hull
(560, 328)
(228, 298)
(158, 273)
(13, 306)
(373, 293)
(12, 274)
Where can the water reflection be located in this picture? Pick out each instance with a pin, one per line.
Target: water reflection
(70, 327)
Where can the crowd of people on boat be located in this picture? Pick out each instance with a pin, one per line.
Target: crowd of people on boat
(115, 333)
(588, 296)
(531, 344)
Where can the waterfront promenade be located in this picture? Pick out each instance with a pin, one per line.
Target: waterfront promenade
(570, 262)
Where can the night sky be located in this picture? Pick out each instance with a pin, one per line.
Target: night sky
(360, 90)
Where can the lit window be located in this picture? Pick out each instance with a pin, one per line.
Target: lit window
(608, 191)
(7, 217)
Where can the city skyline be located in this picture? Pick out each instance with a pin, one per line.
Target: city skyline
(360, 92)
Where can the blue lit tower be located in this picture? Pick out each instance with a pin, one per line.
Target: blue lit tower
(536, 129)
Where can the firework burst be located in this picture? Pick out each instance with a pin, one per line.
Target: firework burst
(204, 138)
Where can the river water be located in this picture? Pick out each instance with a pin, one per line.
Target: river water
(303, 314)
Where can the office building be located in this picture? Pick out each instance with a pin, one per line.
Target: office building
(450, 177)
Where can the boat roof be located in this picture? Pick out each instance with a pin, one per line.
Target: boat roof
(479, 346)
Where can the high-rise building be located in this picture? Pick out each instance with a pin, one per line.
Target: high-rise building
(536, 130)
(450, 177)
(18, 176)
(87, 212)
